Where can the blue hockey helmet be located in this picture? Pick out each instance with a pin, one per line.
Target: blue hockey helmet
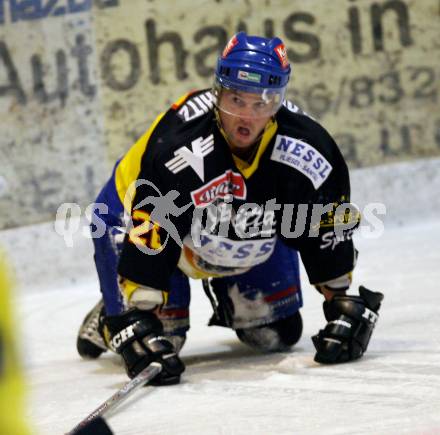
(256, 65)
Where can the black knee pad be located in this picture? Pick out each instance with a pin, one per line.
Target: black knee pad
(274, 337)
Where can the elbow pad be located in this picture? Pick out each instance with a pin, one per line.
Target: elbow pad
(340, 284)
(141, 297)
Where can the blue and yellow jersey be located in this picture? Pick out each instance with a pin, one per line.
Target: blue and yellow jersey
(184, 164)
(12, 420)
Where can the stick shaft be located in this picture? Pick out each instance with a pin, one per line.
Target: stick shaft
(117, 398)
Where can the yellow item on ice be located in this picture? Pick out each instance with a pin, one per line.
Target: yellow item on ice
(12, 420)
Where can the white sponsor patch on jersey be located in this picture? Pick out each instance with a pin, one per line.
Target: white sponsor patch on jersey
(303, 157)
(221, 251)
(184, 157)
(197, 106)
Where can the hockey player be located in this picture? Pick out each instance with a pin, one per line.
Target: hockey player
(205, 190)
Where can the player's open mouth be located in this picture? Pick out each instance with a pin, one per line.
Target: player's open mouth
(244, 131)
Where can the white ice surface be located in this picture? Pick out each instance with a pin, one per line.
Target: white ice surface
(229, 389)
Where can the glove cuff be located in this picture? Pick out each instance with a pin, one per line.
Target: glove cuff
(130, 326)
(363, 307)
(127, 318)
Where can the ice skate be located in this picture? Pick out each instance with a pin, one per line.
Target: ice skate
(90, 343)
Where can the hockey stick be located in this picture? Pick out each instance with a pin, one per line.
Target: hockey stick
(130, 387)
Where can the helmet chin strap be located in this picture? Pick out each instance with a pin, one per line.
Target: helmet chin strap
(252, 149)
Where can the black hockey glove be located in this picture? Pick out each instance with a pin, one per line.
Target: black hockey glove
(137, 336)
(351, 320)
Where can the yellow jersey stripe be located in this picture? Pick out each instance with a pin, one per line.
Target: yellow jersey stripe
(180, 101)
(129, 167)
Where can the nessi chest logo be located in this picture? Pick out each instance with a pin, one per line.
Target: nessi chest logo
(302, 157)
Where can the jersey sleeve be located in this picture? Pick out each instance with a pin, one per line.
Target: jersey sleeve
(328, 218)
(157, 224)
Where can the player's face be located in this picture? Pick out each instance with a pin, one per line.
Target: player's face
(244, 116)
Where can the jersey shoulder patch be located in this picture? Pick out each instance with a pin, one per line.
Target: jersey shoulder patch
(303, 157)
(194, 105)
